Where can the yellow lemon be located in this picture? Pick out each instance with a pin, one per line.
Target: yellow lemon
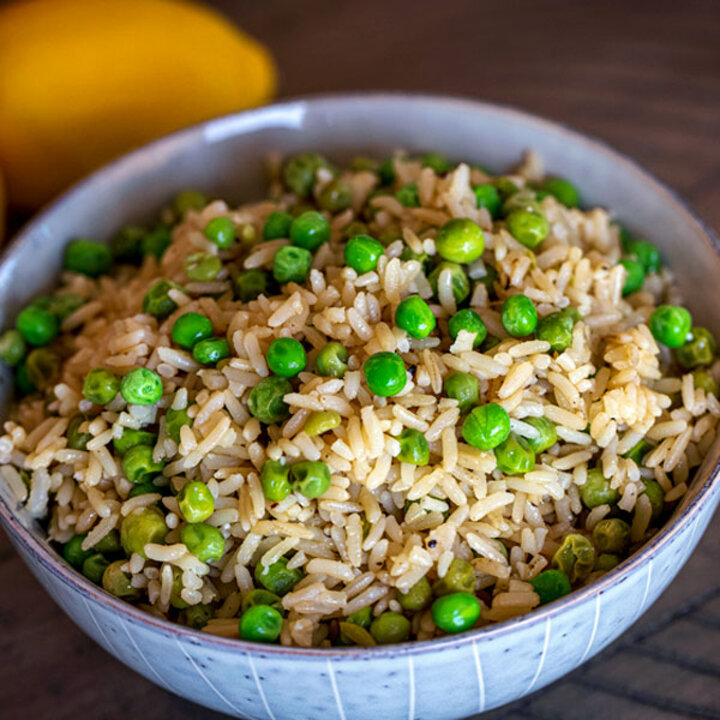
(82, 81)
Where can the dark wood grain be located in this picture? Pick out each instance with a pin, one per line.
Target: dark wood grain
(643, 76)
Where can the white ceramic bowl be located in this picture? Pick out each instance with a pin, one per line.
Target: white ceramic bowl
(444, 678)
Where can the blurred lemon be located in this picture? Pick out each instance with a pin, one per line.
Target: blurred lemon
(83, 81)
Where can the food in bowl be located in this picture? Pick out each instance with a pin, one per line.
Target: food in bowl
(390, 402)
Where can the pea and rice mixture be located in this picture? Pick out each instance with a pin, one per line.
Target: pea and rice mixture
(391, 402)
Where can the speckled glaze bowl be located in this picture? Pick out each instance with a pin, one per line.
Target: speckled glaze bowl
(488, 667)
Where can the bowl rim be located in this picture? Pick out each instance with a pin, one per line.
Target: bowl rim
(248, 120)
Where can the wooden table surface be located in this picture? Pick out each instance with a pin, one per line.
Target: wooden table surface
(643, 76)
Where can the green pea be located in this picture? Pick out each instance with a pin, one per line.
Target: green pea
(277, 225)
(459, 280)
(157, 302)
(202, 267)
(656, 495)
(211, 351)
(528, 228)
(37, 326)
(100, 386)
(275, 480)
(332, 359)
(417, 597)
(76, 439)
(363, 617)
(386, 171)
(321, 421)
(335, 196)
(670, 325)
(362, 253)
(196, 502)
(460, 240)
(504, 186)
(286, 357)
(23, 385)
(291, 264)
(250, 284)
(519, 316)
(277, 578)
(515, 456)
(470, 321)
(646, 254)
(704, 380)
(413, 447)
(390, 627)
(575, 557)
(174, 420)
(437, 162)
(634, 276)
(408, 196)
(93, 568)
(156, 242)
(261, 623)
(547, 434)
(606, 561)
(309, 231)
(464, 388)
(131, 438)
(699, 349)
(385, 374)
(12, 347)
(43, 367)
(525, 199)
(638, 451)
(110, 544)
(356, 227)
(176, 589)
(460, 577)
(258, 596)
(299, 172)
(87, 257)
(73, 553)
(455, 613)
(204, 541)
(190, 329)
(486, 426)
(141, 528)
(597, 491)
(557, 329)
(310, 478)
(486, 196)
(266, 400)
(611, 535)
(196, 616)
(126, 244)
(550, 585)
(138, 464)
(143, 488)
(189, 200)
(221, 231)
(415, 317)
(117, 582)
(141, 386)
(563, 191)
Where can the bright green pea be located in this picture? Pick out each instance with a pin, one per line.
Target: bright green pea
(37, 326)
(309, 231)
(611, 535)
(408, 196)
(258, 596)
(519, 316)
(470, 321)
(487, 196)
(385, 374)
(43, 367)
(515, 456)
(597, 491)
(196, 616)
(174, 420)
(670, 325)
(138, 464)
(277, 225)
(93, 568)
(204, 541)
(551, 585)
(211, 351)
(299, 172)
(413, 447)
(486, 426)
(645, 253)
(362, 253)
(458, 279)
(157, 302)
(117, 582)
(415, 317)
(606, 561)
(196, 502)
(190, 328)
(73, 553)
(76, 439)
(100, 386)
(437, 162)
(131, 438)
(87, 257)
(189, 200)
(557, 329)
(142, 527)
(202, 267)
(575, 557)
(464, 388)
(291, 264)
(221, 231)
(12, 347)
(547, 434)
(460, 577)
(275, 480)
(141, 386)
(460, 240)
(331, 360)
(335, 196)
(704, 380)
(277, 578)
(266, 400)
(455, 613)
(286, 357)
(638, 451)
(127, 243)
(634, 276)
(528, 228)
(261, 623)
(310, 478)
(656, 495)
(417, 597)
(563, 191)
(699, 349)
(390, 627)
(321, 421)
